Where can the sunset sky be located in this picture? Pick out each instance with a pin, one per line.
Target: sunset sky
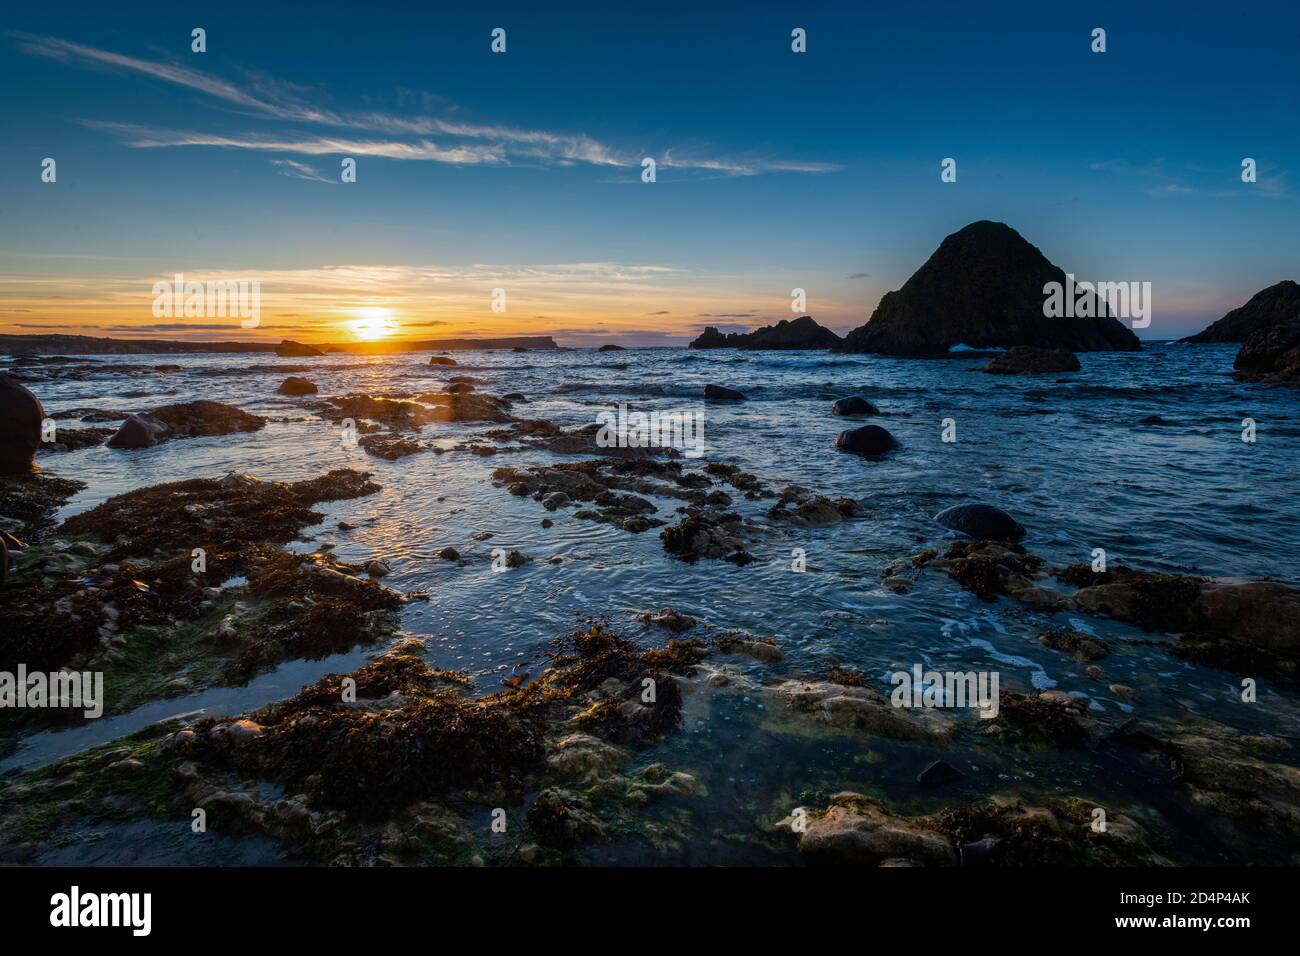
(522, 170)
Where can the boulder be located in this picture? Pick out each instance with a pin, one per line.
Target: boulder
(139, 431)
(854, 405)
(293, 385)
(291, 349)
(981, 521)
(720, 393)
(984, 288)
(21, 415)
(610, 348)
(1026, 360)
(867, 440)
(1277, 305)
(459, 388)
(800, 333)
(441, 360)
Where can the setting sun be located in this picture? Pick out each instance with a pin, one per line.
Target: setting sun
(373, 323)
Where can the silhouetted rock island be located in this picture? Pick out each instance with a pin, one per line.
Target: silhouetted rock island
(1276, 305)
(984, 288)
(800, 333)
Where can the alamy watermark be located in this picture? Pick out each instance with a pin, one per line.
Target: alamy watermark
(682, 429)
(222, 299)
(83, 690)
(1124, 300)
(927, 689)
(74, 908)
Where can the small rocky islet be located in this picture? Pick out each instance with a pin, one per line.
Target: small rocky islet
(590, 745)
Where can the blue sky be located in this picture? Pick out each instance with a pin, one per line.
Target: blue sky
(522, 170)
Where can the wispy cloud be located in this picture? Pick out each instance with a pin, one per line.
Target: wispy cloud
(1185, 179)
(421, 138)
(296, 170)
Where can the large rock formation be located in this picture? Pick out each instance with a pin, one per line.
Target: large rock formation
(1276, 305)
(21, 415)
(1271, 354)
(800, 333)
(983, 287)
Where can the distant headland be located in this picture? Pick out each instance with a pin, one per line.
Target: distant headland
(94, 345)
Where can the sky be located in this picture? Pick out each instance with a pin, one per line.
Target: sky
(522, 171)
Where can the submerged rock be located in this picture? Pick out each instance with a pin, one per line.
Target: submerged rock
(938, 774)
(983, 287)
(720, 393)
(799, 506)
(861, 708)
(21, 415)
(981, 521)
(854, 405)
(186, 420)
(72, 439)
(1024, 360)
(611, 347)
(1084, 648)
(857, 831)
(389, 446)
(867, 440)
(293, 385)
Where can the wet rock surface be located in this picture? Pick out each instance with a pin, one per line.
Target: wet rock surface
(981, 521)
(187, 420)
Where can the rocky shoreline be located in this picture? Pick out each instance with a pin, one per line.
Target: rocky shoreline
(401, 762)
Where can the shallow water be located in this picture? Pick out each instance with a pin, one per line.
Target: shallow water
(1067, 456)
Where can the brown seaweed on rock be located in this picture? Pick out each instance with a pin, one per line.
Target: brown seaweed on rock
(412, 734)
(222, 515)
(137, 594)
(28, 502)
